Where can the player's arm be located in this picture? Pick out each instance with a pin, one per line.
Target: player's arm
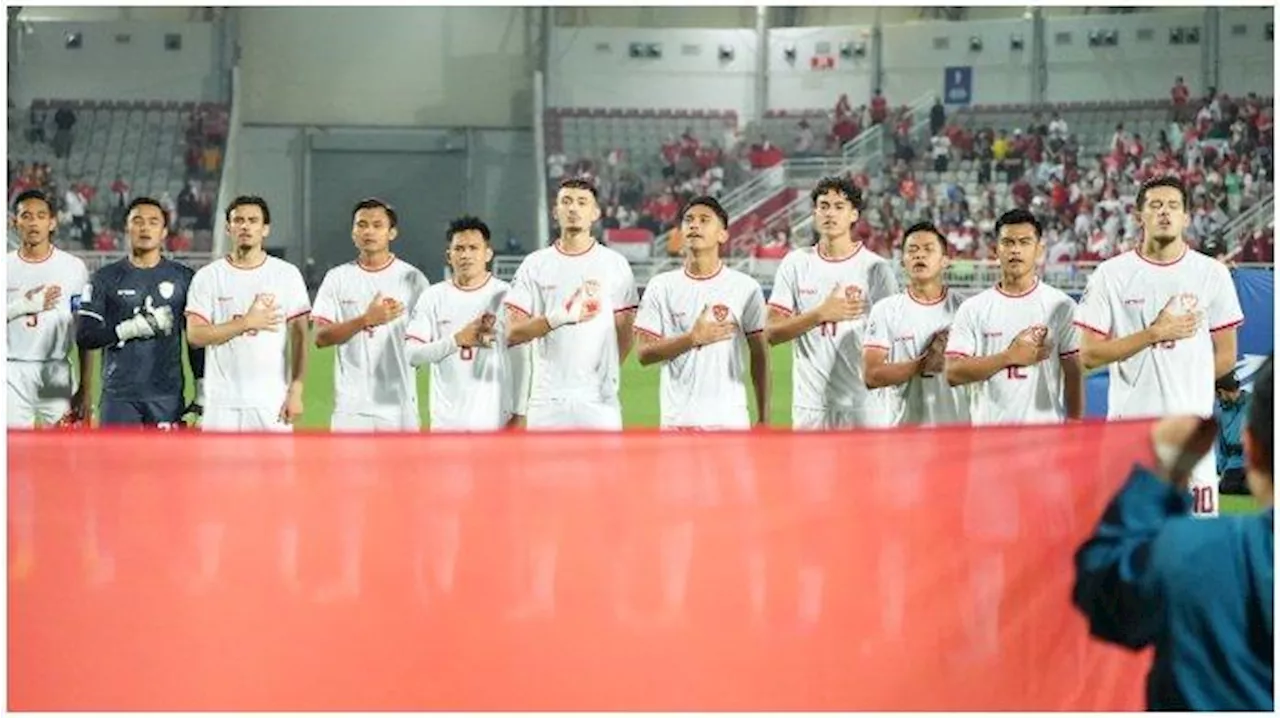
(623, 321)
(1224, 351)
(655, 349)
(962, 367)
(879, 372)
(758, 351)
(203, 333)
(92, 330)
(33, 301)
(627, 300)
(522, 328)
(292, 408)
(785, 326)
(1073, 385)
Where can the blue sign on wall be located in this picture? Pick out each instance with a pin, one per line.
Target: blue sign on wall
(957, 86)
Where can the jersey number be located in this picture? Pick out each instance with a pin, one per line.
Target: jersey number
(827, 329)
(251, 332)
(1015, 372)
(1202, 499)
(467, 353)
(33, 320)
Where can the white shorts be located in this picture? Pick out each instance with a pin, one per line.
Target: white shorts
(1204, 487)
(573, 414)
(248, 420)
(834, 418)
(403, 418)
(38, 391)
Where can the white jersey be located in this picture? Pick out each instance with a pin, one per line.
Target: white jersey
(250, 371)
(373, 375)
(827, 370)
(986, 323)
(704, 388)
(46, 336)
(471, 389)
(903, 325)
(579, 361)
(1124, 296)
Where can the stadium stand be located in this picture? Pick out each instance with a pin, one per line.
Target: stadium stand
(1077, 165)
(96, 156)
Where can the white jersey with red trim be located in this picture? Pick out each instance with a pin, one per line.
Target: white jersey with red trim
(577, 361)
(373, 375)
(471, 389)
(902, 326)
(986, 323)
(827, 369)
(704, 388)
(251, 371)
(1124, 296)
(48, 335)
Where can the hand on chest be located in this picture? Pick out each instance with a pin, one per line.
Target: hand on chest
(813, 294)
(1140, 309)
(712, 304)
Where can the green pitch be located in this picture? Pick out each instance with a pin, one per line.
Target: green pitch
(639, 391)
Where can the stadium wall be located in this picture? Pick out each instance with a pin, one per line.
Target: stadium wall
(400, 66)
(1246, 57)
(313, 177)
(593, 67)
(116, 60)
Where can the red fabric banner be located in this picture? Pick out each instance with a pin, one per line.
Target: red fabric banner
(898, 570)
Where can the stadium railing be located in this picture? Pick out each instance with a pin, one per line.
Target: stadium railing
(866, 151)
(962, 274)
(97, 260)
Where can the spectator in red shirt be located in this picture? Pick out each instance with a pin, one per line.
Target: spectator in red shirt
(879, 108)
(1180, 94)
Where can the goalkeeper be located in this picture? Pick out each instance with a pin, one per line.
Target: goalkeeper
(132, 310)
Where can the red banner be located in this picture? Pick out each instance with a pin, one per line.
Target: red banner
(903, 570)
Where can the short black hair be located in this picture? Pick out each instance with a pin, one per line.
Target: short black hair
(246, 200)
(1259, 423)
(147, 202)
(466, 223)
(843, 185)
(580, 183)
(710, 203)
(925, 226)
(31, 194)
(1020, 216)
(1165, 181)
(375, 203)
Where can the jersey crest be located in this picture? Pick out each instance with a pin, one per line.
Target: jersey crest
(166, 290)
(720, 312)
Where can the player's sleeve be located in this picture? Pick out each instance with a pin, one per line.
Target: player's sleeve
(1094, 312)
(325, 310)
(421, 344)
(299, 301)
(882, 282)
(92, 328)
(200, 296)
(1224, 309)
(519, 361)
(195, 354)
(753, 314)
(877, 334)
(962, 341)
(626, 296)
(782, 296)
(523, 295)
(649, 316)
(1066, 335)
(79, 282)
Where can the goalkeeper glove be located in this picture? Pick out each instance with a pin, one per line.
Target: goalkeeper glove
(147, 323)
(195, 410)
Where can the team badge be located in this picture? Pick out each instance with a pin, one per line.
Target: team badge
(166, 290)
(720, 312)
